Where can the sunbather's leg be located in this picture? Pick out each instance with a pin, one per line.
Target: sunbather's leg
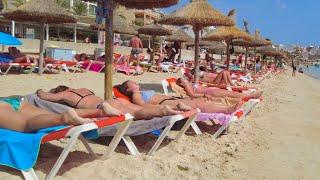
(30, 118)
(140, 112)
(231, 94)
(218, 79)
(205, 107)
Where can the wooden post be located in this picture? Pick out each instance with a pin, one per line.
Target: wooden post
(41, 61)
(196, 55)
(47, 32)
(246, 60)
(228, 55)
(108, 51)
(255, 61)
(152, 53)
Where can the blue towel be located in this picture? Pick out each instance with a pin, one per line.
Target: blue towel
(5, 58)
(20, 150)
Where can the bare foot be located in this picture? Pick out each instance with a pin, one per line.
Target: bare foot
(168, 111)
(257, 94)
(109, 110)
(183, 107)
(72, 118)
(234, 108)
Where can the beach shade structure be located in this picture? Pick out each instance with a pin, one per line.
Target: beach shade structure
(8, 40)
(201, 43)
(42, 12)
(198, 14)
(227, 34)
(179, 35)
(154, 29)
(119, 26)
(107, 7)
(256, 41)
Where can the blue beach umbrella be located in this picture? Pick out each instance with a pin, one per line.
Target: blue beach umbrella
(8, 40)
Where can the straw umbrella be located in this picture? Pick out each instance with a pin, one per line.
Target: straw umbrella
(154, 30)
(179, 35)
(42, 12)
(198, 14)
(227, 34)
(110, 6)
(255, 42)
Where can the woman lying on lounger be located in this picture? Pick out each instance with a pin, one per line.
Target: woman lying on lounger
(18, 115)
(151, 98)
(194, 91)
(18, 57)
(85, 99)
(222, 78)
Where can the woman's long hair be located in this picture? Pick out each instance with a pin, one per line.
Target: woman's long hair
(123, 89)
(58, 89)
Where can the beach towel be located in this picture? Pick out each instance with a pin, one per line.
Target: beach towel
(136, 128)
(20, 150)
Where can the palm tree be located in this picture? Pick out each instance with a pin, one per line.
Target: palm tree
(63, 3)
(17, 3)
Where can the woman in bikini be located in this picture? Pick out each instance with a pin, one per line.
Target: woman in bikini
(194, 91)
(222, 78)
(18, 115)
(85, 99)
(151, 98)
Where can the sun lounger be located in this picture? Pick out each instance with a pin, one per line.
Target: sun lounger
(25, 157)
(51, 64)
(29, 66)
(219, 118)
(136, 128)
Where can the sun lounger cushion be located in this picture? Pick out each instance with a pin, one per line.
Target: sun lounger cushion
(138, 127)
(20, 150)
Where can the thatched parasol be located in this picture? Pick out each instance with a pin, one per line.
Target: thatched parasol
(199, 14)
(110, 5)
(179, 36)
(120, 26)
(227, 34)
(256, 41)
(154, 30)
(42, 12)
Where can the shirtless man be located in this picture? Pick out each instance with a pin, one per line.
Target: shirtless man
(137, 47)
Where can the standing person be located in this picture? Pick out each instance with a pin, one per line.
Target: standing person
(137, 47)
(258, 64)
(294, 68)
(177, 49)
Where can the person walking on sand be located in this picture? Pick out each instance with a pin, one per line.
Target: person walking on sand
(294, 68)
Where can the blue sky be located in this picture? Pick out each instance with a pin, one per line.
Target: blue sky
(283, 21)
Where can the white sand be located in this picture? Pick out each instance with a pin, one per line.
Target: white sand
(279, 140)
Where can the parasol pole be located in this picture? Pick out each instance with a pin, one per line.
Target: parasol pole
(41, 63)
(108, 51)
(228, 54)
(246, 60)
(152, 52)
(196, 55)
(255, 61)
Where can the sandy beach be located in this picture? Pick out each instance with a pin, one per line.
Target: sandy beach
(279, 140)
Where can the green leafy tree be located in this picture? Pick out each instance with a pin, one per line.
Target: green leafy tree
(80, 8)
(17, 3)
(63, 3)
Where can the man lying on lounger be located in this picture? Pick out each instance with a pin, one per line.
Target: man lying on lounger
(85, 99)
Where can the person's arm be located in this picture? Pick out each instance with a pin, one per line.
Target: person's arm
(190, 92)
(140, 44)
(49, 96)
